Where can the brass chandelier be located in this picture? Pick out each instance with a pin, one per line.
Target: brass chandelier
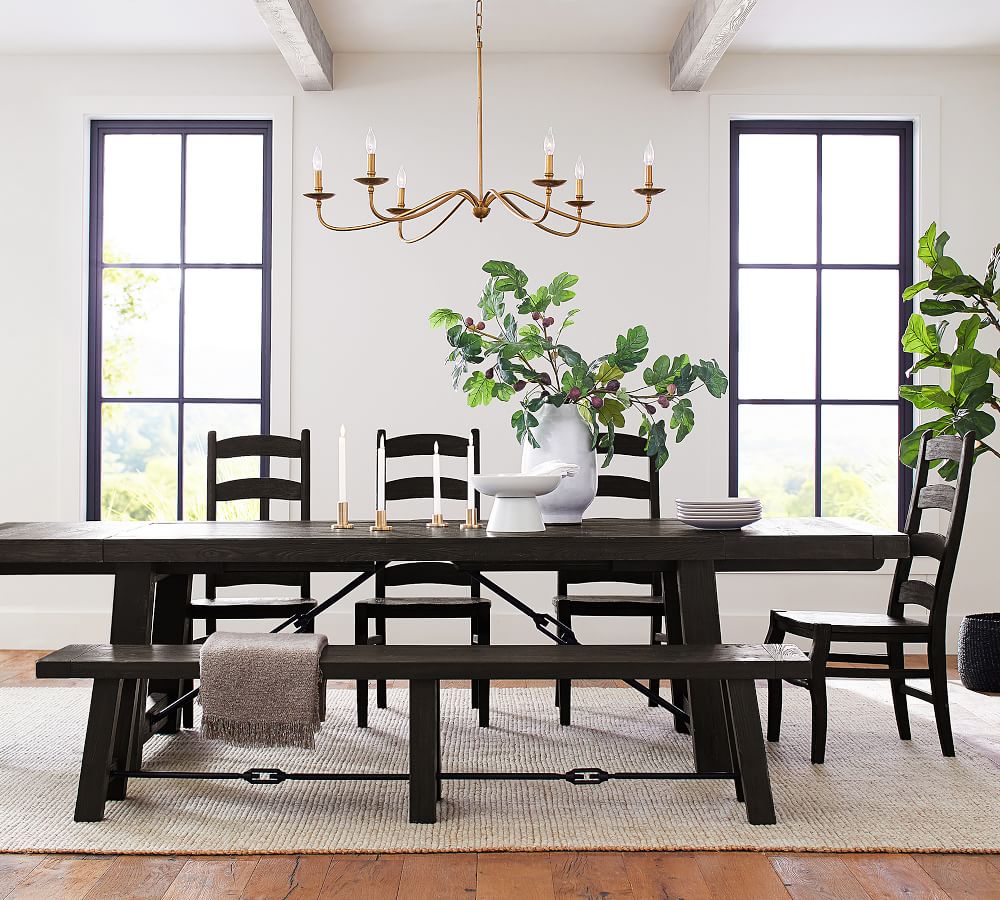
(480, 201)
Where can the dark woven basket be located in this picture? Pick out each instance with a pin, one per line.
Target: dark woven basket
(979, 652)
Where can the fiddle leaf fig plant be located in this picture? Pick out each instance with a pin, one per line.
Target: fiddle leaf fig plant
(968, 402)
(515, 348)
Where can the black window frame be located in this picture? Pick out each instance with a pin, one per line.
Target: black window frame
(99, 129)
(904, 130)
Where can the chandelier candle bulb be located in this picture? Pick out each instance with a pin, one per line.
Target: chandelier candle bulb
(401, 187)
(549, 147)
(317, 170)
(370, 145)
(579, 177)
(647, 161)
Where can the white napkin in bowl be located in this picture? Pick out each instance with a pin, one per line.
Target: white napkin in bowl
(555, 467)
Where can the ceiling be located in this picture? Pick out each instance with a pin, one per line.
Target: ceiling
(629, 26)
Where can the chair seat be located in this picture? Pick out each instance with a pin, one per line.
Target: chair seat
(610, 605)
(249, 607)
(803, 621)
(422, 607)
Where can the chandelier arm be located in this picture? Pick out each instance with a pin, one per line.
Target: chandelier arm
(424, 208)
(502, 195)
(557, 233)
(415, 240)
(325, 224)
(520, 213)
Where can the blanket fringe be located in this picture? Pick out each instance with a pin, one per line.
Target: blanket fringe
(259, 734)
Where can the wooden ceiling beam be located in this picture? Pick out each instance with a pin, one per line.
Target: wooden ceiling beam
(301, 41)
(704, 37)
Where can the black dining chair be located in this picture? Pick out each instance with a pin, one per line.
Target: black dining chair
(654, 607)
(380, 608)
(896, 628)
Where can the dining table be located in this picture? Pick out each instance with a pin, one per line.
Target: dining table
(153, 565)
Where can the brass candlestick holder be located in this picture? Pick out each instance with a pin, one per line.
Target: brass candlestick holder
(343, 519)
(381, 523)
(437, 521)
(471, 519)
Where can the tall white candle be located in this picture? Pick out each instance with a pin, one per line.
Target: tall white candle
(437, 480)
(342, 462)
(469, 472)
(380, 475)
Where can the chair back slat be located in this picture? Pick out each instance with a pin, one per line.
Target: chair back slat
(264, 489)
(622, 486)
(258, 489)
(945, 447)
(936, 496)
(259, 445)
(918, 592)
(404, 574)
(952, 500)
(423, 444)
(421, 487)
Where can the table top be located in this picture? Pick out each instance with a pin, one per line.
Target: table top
(93, 546)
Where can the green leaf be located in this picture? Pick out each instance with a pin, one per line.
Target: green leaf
(910, 445)
(610, 413)
(559, 289)
(920, 337)
(656, 438)
(444, 318)
(569, 355)
(659, 371)
(608, 372)
(491, 303)
(630, 349)
(938, 307)
(509, 278)
(522, 422)
(502, 391)
(970, 369)
(959, 283)
(935, 360)
(979, 422)
(913, 290)
(712, 376)
(967, 332)
(682, 418)
(978, 397)
(569, 319)
(927, 396)
(478, 389)
(925, 248)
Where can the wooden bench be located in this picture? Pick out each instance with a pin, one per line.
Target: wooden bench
(735, 666)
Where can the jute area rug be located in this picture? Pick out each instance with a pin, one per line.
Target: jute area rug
(874, 793)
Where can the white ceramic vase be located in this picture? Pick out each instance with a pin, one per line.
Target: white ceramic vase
(563, 435)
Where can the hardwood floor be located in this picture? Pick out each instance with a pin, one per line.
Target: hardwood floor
(499, 876)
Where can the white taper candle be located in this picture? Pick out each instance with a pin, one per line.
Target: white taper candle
(342, 465)
(437, 480)
(380, 475)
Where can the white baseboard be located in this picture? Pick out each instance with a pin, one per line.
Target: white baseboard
(45, 629)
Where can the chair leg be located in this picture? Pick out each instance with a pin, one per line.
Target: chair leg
(209, 627)
(380, 694)
(564, 686)
(817, 691)
(361, 638)
(483, 694)
(310, 626)
(939, 691)
(894, 651)
(474, 639)
(654, 683)
(775, 635)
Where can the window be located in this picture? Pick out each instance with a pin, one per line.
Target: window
(821, 250)
(179, 328)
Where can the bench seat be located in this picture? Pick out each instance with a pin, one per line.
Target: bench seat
(734, 666)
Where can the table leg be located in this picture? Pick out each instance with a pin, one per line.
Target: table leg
(131, 623)
(700, 625)
(424, 750)
(173, 594)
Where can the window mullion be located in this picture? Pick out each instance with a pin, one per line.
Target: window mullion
(818, 434)
(180, 335)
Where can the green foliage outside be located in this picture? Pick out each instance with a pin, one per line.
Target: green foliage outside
(968, 402)
(522, 354)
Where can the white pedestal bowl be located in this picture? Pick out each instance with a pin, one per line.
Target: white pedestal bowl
(515, 506)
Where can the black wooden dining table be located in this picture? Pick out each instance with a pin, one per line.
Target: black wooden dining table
(153, 565)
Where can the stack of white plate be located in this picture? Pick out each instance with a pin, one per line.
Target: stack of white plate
(732, 512)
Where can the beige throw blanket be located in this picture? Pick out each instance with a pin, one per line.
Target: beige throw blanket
(263, 690)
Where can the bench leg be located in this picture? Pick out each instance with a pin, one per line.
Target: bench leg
(751, 758)
(425, 749)
(96, 766)
(775, 635)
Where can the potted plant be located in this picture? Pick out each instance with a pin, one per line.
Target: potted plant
(568, 407)
(963, 399)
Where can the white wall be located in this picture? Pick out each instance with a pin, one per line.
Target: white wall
(360, 348)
